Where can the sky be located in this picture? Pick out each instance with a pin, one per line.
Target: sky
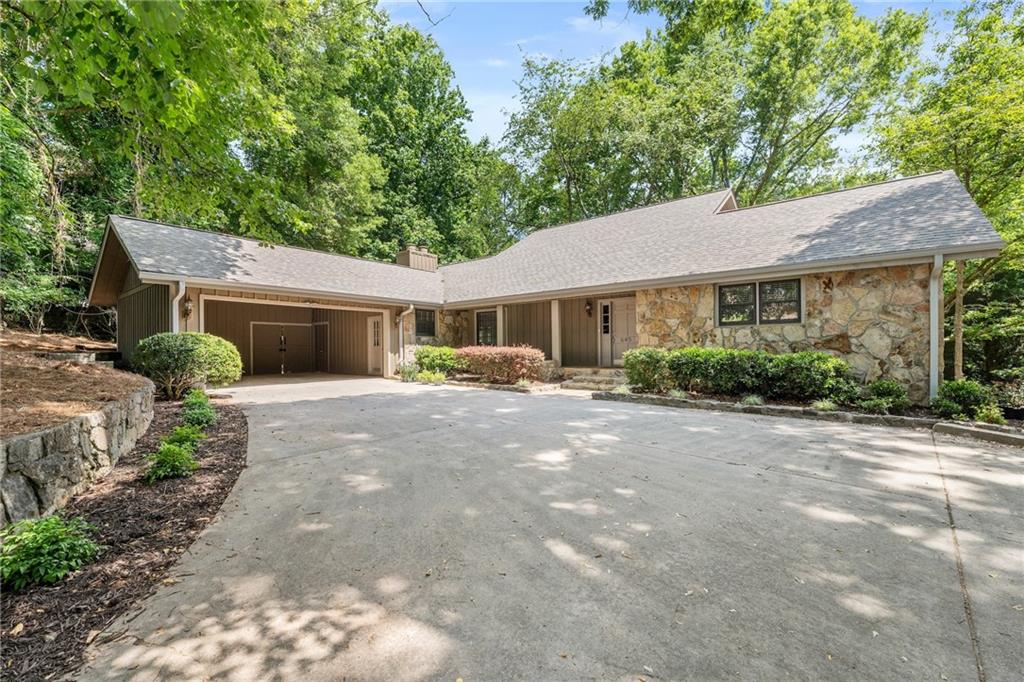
(485, 42)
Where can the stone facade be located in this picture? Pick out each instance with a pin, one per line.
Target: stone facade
(876, 319)
(40, 471)
(452, 328)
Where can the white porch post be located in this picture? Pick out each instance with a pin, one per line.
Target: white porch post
(500, 314)
(935, 330)
(556, 333)
(389, 355)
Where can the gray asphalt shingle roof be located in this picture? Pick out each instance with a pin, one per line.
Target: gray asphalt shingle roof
(677, 239)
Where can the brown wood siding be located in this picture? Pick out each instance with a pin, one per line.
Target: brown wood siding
(142, 313)
(231, 321)
(346, 339)
(579, 333)
(529, 324)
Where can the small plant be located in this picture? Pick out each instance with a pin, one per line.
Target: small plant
(892, 392)
(428, 377)
(961, 397)
(199, 416)
(824, 405)
(990, 414)
(875, 405)
(622, 389)
(524, 383)
(195, 397)
(677, 394)
(752, 400)
(42, 551)
(439, 359)
(408, 371)
(185, 436)
(170, 461)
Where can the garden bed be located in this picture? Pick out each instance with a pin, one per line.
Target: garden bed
(142, 528)
(38, 393)
(23, 340)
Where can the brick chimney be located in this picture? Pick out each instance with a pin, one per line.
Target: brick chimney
(417, 257)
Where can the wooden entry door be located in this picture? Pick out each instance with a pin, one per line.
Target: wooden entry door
(281, 348)
(375, 344)
(616, 328)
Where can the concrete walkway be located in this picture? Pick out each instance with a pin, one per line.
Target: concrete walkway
(387, 531)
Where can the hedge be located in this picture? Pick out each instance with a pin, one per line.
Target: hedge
(178, 362)
(502, 364)
(438, 359)
(802, 376)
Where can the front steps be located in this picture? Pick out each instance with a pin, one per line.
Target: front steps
(593, 378)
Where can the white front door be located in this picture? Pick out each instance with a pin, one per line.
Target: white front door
(375, 345)
(616, 328)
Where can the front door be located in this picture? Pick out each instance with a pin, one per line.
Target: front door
(375, 345)
(616, 329)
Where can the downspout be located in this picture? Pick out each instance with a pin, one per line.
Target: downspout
(175, 322)
(935, 330)
(401, 331)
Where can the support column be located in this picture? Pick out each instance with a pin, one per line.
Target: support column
(935, 315)
(500, 314)
(556, 332)
(389, 357)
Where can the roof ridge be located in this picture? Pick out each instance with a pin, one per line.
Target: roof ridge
(836, 191)
(261, 241)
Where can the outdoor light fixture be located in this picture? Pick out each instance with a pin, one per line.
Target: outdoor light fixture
(589, 308)
(187, 310)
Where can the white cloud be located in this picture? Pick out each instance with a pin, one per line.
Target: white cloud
(496, 62)
(490, 111)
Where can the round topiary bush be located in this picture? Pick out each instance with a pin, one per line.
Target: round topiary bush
(177, 362)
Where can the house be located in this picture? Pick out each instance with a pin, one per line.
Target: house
(856, 272)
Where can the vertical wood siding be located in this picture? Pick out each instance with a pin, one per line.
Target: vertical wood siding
(230, 320)
(142, 313)
(347, 341)
(529, 324)
(579, 333)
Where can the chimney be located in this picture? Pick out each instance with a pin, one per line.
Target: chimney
(417, 258)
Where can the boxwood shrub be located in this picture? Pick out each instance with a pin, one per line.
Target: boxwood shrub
(502, 364)
(962, 399)
(438, 359)
(177, 362)
(647, 369)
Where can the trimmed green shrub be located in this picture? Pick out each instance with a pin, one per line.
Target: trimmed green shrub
(502, 364)
(961, 397)
(438, 359)
(809, 375)
(890, 392)
(177, 362)
(42, 551)
(170, 461)
(408, 371)
(990, 414)
(647, 369)
(185, 436)
(199, 416)
(428, 377)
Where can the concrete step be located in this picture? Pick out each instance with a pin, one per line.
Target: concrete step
(606, 381)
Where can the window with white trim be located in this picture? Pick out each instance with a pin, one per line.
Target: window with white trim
(487, 328)
(426, 322)
(771, 302)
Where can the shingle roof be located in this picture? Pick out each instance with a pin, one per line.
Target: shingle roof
(197, 254)
(675, 240)
(687, 238)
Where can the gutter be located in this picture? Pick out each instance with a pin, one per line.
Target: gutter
(401, 331)
(936, 334)
(175, 322)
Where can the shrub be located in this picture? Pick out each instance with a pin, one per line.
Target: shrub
(752, 400)
(177, 362)
(185, 436)
(408, 371)
(809, 375)
(990, 414)
(524, 383)
(647, 369)
(428, 377)
(961, 397)
(170, 461)
(438, 359)
(892, 392)
(622, 389)
(502, 364)
(199, 416)
(1010, 394)
(875, 405)
(825, 405)
(42, 551)
(194, 398)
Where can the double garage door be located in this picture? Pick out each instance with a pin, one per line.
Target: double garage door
(286, 339)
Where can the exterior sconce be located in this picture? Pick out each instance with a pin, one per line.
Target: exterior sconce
(187, 308)
(589, 307)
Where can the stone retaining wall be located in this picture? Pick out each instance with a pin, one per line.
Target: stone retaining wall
(39, 471)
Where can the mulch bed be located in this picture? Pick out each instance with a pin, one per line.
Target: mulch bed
(24, 340)
(143, 529)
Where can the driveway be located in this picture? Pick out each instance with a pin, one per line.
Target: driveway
(402, 532)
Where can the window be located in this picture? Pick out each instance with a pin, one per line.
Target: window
(759, 303)
(606, 318)
(425, 323)
(737, 304)
(487, 328)
(779, 301)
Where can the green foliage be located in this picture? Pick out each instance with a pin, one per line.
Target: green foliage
(185, 436)
(438, 359)
(42, 551)
(170, 461)
(647, 369)
(430, 377)
(963, 397)
(194, 398)
(752, 400)
(808, 375)
(502, 364)
(200, 416)
(887, 393)
(825, 405)
(990, 414)
(408, 371)
(875, 405)
(177, 362)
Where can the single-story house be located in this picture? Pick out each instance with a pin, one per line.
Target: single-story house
(855, 272)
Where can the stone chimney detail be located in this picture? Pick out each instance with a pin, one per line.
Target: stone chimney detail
(417, 257)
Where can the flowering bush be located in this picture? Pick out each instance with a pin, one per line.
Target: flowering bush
(502, 364)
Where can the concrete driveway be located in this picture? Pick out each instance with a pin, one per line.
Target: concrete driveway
(400, 532)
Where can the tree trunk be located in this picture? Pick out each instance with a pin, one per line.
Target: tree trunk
(958, 323)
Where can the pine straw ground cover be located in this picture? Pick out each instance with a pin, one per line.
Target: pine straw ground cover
(24, 340)
(37, 393)
(143, 530)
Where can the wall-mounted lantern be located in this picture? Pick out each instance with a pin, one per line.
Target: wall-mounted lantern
(186, 311)
(589, 307)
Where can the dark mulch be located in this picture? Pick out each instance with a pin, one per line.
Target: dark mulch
(143, 528)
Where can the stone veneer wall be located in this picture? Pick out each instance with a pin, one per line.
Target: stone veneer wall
(39, 471)
(452, 327)
(876, 319)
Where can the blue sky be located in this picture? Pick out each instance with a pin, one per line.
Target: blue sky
(485, 41)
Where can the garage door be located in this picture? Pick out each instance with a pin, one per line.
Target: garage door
(281, 348)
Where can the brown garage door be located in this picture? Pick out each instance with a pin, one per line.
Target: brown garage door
(281, 348)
